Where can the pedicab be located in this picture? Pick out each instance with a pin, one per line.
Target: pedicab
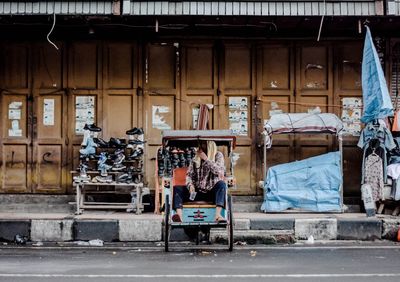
(195, 215)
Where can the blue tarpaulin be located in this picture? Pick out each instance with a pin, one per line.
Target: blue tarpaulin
(312, 184)
(376, 98)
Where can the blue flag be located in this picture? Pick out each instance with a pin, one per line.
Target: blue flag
(376, 98)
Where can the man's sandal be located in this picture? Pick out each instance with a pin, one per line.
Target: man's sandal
(176, 218)
(220, 219)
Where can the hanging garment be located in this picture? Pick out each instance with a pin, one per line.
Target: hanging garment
(376, 137)
(203, 119)
(393, 171)
(374, 175)
(396, 121)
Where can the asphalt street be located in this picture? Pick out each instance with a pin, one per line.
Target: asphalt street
(250, 263)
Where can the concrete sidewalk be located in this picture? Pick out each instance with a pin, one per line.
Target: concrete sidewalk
(249, 227)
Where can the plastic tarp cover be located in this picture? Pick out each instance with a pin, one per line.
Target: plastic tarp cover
(312, 184)
(376, 98)
(303, 123)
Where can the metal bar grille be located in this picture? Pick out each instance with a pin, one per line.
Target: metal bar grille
(395, 79)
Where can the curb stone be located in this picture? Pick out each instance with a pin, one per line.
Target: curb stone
(359, 229)
(320, 229)
(10, 228)
(106, 230)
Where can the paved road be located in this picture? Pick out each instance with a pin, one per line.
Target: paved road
(250, 263)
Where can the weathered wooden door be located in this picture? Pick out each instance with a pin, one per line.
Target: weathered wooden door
(49, 121)
(275, 91)
(347, 83)
(120, 100)
(84, 67)
(16, 119)
(236, 95)
(160, 108)
(314, 91)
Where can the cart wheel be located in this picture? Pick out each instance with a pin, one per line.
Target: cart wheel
(229, 226)
(166, 223)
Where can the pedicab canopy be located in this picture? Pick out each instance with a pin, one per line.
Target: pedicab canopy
(177, 137)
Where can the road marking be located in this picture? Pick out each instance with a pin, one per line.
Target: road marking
(221, 276)
(216, 248)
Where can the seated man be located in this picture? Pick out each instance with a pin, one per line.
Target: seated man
(206, 177)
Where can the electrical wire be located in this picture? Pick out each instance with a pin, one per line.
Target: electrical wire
(322, 21)
(52, 28)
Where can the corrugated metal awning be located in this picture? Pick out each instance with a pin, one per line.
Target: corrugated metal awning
(60, 7)
(393, 7)
(251, 8)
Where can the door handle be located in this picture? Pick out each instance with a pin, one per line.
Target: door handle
(12, 158)
(45, 156)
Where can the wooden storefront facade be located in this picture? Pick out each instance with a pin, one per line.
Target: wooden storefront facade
(128, 78)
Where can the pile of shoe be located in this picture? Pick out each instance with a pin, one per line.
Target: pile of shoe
(113, 155)
(83, 176)
(88, 143)
(172, 157)
(135, 143)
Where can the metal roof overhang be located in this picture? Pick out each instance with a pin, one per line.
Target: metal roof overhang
(59, 7)
(254, 8)
(393, 8)
(202, 8)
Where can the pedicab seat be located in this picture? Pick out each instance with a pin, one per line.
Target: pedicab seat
(198, 204)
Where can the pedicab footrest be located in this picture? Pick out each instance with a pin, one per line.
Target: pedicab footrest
(195, 213)
(188, 224)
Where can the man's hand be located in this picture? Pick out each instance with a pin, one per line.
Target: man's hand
(202, 155)
(191, 188)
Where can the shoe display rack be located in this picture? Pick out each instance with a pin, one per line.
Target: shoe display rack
(113, 167)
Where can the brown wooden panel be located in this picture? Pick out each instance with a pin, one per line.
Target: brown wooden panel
(275, 68)
(45, 128)
(238, 69)
(244, 174)
(314, 68)
(160, 67)
(10, 120)
(15, 71)
(119, 115)
(75, 157)
(310, 151)
(150, 163)
(190, 104)
(83, 65)
(349, 58)
(15, 168)
(306, 103)
(352, 162)
(199, 68)
(48, 169)
(160, 115)
(282, 102)
(278, 155)
(120, 66)
(49, 66)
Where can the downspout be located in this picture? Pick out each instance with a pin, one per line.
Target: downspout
(116, 8)
(380, 7)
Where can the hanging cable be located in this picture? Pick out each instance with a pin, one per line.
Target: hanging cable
(52, 28)
(322, 21)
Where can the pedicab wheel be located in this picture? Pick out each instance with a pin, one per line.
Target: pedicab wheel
(166, 223)
(229, 225)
